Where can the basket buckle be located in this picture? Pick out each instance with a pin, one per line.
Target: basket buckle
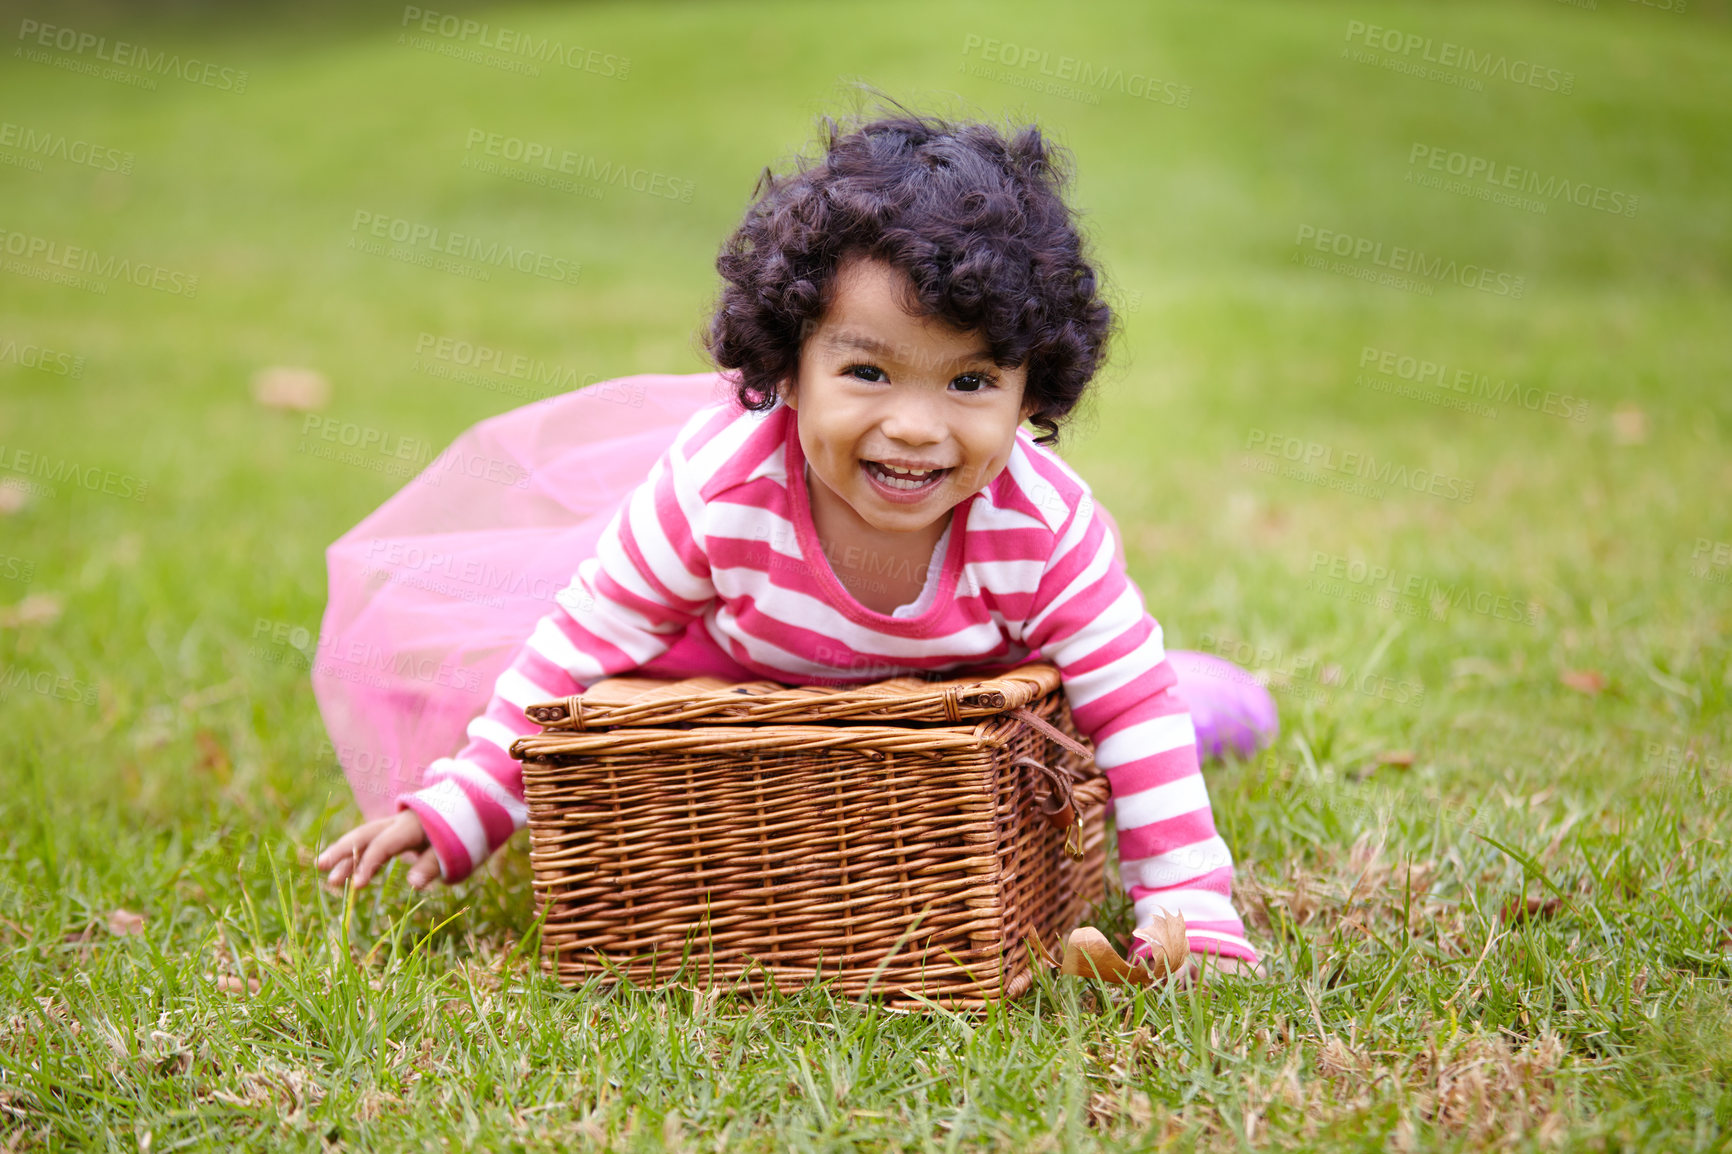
(1063, 813)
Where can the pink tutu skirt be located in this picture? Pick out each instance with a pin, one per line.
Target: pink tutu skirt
(433, 594)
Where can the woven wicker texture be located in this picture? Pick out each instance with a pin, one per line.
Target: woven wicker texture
(622, 701)
(905, 861)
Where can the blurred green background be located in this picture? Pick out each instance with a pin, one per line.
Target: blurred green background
(1265, 127)
(173, 722)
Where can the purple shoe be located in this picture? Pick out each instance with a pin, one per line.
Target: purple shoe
(1232, 713)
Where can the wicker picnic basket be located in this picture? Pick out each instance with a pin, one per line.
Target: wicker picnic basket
(903, 839)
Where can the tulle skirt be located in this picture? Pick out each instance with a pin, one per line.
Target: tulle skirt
(432, 595)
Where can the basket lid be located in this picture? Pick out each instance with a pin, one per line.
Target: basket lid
(643, 701)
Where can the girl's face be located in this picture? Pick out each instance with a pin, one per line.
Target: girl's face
(880, 390)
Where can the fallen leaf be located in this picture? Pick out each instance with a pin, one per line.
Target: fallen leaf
(230, 984)
(1088, 954)
(1532, 906)
(290, 389)
(14, 495)
(212, 757)
(1588, 681)
(1168, 947)
(1041, 953)
(124, 923)
(79, 937)
(36, 609)
(1629, 425)
(1401, 757)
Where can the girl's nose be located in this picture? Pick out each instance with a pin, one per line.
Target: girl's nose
(913, 421)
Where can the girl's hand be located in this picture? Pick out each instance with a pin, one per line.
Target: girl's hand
(366, 848)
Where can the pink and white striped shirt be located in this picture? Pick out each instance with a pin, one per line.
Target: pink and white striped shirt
(716, 553)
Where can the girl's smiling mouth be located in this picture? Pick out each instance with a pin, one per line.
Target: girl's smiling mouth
(895, 482)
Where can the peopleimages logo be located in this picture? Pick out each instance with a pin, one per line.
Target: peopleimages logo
(497, 370)
(1410, 261)
(1302, 675)
(93, 478)
(353, 436)
(1472, 386)
(60, 686)
(554, 161)
(1712, 561)
(1360, 466)
(464, 578)
(1440, 596)
(1413, 48)
(432, 242)
(41, 144)
(37, 35)
(1069, 70)
(1481, 174)
(510, 42)
(376, 665)
(46, 360)
(76, 260)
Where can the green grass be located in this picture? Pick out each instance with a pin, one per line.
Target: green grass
(1401, 1009)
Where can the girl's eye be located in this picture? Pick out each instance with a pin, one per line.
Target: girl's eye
(865, 372)
(973, 382)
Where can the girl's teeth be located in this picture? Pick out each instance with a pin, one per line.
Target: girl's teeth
(898, 478)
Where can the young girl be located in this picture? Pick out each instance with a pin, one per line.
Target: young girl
(853, 498)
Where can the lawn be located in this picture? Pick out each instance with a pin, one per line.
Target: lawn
(1486, 246)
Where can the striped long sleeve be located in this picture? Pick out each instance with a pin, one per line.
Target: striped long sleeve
(1088, 619)
(626, 605)
(721, 534)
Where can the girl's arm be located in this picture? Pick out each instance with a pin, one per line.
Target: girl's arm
(627, 605)
(1088, 619)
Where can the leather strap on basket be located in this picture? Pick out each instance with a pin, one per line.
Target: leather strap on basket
(1064, 815)
(1030, 717)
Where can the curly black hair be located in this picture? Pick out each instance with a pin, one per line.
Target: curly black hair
(976, 219)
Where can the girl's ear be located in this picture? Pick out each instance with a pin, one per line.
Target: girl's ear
(789, 393)
(1030, 402)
